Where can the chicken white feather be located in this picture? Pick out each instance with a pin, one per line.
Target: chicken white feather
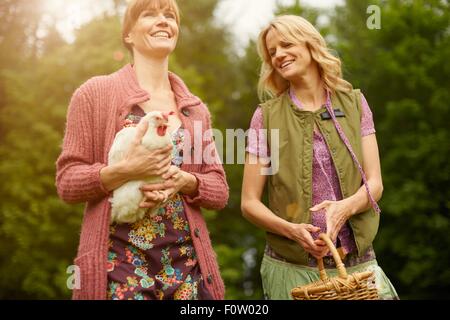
(126, 199)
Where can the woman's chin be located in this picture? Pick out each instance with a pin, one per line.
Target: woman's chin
(161, 51)
(292, 74)
(289, 76)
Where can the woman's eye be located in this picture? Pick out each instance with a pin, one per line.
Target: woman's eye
(169, 15)
(149, 14)
(286, 45)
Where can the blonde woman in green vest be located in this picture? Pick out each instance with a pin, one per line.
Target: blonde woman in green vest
(313, 142)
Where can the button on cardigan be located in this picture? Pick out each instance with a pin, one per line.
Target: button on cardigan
(96, 113)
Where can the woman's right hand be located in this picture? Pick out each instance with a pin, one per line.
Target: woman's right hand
(301, 233)
(138, 164)
(142, 163)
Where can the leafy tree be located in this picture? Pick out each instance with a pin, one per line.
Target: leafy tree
(20, 21)
(403, 71)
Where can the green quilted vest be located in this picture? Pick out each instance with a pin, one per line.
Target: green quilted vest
(290, 188)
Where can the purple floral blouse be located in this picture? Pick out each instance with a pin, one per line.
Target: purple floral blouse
(154, 258)
(325, 182)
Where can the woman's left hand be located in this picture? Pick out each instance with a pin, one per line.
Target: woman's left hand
(175, 180)
(337, 213)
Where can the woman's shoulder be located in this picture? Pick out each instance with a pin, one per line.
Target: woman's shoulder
(349, 99)
(272, 101)
(361, 105)
(257, 119)
(98, 84)
(95, 92)
(357, 96)
(204, 111)
(351, 93)
(109, 84)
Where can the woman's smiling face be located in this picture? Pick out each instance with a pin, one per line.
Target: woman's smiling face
(289, 60)
(155, 32)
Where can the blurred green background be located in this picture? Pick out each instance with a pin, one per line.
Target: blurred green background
(402, 68)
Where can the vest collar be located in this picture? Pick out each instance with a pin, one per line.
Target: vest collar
(300, 111)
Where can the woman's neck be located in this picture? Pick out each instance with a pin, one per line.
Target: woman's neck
(152, 74)
(309, 89)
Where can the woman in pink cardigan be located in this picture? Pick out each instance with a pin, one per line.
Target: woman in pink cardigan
(168, 255)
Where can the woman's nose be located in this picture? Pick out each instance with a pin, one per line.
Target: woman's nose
(280, 55)
(162, 19)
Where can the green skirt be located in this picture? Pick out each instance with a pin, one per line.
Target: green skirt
(279, 278)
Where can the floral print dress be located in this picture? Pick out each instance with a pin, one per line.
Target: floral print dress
(154, 258)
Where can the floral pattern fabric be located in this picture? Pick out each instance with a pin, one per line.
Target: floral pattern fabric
(154, 258)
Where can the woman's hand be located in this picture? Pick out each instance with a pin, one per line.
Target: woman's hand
(301, 233)
(153, 199)
(176, 180)
(142, 163)
(138, 163)
(337, 213)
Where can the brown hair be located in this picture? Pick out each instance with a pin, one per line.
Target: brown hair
(134, 10)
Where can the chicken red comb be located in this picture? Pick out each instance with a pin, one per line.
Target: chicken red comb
(167, 114)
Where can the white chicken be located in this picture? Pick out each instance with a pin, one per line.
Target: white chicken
(126, 199)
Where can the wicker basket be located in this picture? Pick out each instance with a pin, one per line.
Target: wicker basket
(356, 286)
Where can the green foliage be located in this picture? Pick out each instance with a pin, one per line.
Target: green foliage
(19, 18)
(403, 71)
(35, 225)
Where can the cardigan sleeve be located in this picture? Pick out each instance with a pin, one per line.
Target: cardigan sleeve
(213, 189)
(77, 174)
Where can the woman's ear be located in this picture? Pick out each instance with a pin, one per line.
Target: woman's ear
(128, 39)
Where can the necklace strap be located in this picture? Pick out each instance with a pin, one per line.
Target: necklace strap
(349, 147)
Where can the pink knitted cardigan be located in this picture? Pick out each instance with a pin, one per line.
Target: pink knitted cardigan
(96, 113)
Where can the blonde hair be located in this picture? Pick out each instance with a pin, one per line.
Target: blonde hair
(296, 30)
(134, 10)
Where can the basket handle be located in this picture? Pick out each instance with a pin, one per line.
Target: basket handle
(337, 258)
